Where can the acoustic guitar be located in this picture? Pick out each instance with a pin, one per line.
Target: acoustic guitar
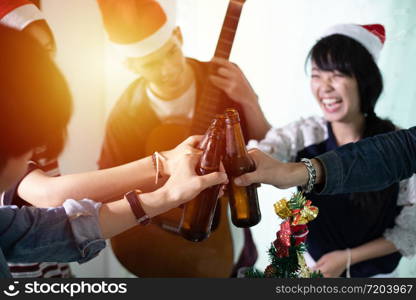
(158, 250)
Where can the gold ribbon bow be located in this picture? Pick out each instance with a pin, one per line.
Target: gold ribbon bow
(305, 215)
(282, 209)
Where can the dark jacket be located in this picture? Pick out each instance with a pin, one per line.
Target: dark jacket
(370, 164)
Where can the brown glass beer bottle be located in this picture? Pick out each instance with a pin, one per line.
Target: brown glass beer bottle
(198, 214)
(244, 205)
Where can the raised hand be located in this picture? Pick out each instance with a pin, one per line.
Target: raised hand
(268, 170)
(170, 157)
(184, 183)
(274, 172)
(230, 79)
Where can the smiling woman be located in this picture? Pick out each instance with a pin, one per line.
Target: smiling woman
(347, 83)
(337, 94)
(351, 235)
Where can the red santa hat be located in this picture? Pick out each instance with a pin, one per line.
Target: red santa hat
(371, 36)
(18, 14)
(137, 28)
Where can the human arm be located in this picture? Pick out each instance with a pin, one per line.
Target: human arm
(42, 190)
(183, 185)
(76, 231)
(370, 164)
(274, 172)
(231, 80)
(334, 263)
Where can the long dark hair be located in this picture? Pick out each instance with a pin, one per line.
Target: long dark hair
(34, 98)
(343, 54)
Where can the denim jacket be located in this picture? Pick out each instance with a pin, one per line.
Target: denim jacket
(63, 234)
(370, 164)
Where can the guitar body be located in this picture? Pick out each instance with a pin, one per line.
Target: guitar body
(155, 252)
(158, 250)
(168, 135)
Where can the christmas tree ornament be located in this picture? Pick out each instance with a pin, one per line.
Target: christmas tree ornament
(304, 215)
(282, 209)
(286, 252)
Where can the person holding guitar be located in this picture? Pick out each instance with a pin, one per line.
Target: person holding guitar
(173, 97)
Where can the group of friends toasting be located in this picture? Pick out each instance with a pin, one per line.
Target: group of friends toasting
(174, 156)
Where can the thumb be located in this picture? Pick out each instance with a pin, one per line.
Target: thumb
(213, 179)
(193, 140)
(246, 179)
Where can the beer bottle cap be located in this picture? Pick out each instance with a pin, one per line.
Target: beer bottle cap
(232, 116)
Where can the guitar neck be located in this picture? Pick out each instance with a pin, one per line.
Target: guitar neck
(211, 96)
(229, 28)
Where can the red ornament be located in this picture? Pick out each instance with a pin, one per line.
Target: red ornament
(300, 232)
(282, 243)
(281, 250)
(284, 234)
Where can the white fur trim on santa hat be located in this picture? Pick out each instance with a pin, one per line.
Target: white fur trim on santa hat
(157, 39)
(370, 41)
(22, 16)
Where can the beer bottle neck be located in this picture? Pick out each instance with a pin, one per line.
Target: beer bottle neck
(218, 124)
(211, 158)
(236, 145)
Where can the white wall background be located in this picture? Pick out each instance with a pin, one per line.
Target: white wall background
(81, 54)
(272, 42)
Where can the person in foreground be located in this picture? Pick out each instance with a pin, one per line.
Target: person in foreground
(368, 165)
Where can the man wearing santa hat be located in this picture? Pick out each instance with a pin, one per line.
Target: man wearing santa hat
(170, 85)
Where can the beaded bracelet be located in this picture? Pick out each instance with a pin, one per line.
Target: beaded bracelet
(157, 165)
(348, 265)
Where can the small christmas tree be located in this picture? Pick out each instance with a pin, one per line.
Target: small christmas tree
(286, 252)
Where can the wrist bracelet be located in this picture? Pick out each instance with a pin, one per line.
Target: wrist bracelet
(157, 165)
(136, 207)
(312, 175)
